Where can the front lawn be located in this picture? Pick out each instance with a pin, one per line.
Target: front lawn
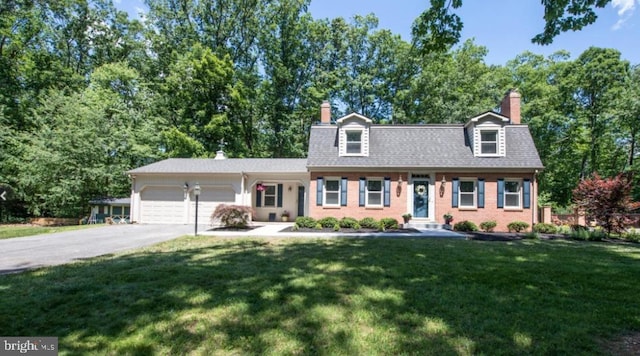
(11, 231)
(208, 295)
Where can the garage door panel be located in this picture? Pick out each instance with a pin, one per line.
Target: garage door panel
(209, 200)
(162, 205)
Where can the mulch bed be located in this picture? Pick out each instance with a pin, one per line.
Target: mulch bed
(349, 230)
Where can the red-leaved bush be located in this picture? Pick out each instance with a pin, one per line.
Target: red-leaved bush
(236, 216)
(607, 200)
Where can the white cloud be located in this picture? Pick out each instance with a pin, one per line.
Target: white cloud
(625, 9)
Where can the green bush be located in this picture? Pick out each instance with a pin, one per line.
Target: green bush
(295, 227)
(318, 226)
(584, 234)
(488, 226)
(305, 221)
(517, 226)
(336, 227)
(633, 236)
(543, 228)
(357, 226)
(369, 223)
(348, 223)
(328, 222)
(389, 223)
(465, 225)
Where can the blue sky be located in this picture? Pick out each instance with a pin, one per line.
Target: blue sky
(505, 27)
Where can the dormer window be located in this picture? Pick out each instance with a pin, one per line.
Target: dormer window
(353, 135)
(488, 142)
(354, 142)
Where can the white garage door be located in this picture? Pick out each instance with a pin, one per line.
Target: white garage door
(208, 201)
(162, 205)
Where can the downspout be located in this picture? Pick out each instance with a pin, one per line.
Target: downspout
(242, 200)
(535, 199)
(132, 204)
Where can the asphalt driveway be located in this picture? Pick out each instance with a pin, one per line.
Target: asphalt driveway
(24, 253)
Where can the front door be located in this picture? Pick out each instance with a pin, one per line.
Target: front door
(420, 198)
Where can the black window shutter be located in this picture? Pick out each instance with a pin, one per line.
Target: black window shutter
(363, 181)
(343, 191)
(319, 188)
(526, 192)
(280, 190)
(258, 198)
(500, 193)
(480, 192)
(455, 184)
(387, 191)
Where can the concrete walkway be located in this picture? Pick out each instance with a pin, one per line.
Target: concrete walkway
(273, 229)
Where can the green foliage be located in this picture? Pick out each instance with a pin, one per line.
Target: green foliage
(585, 234)
(319, 227)
(328, 222)
(517, 226)
(347, 223)
(389, 223)
(369, 223)
(236, 216)
(633, 236)
(543, 228)
(357, 226)
(336, 227)
(531, 235)
(305, 221)
(488, 226)
(465, 225)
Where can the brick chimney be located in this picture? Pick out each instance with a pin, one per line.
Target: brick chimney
(325, 113)
(510, 106)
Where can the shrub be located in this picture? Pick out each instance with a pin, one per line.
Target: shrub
(532, 235)
(336, 227)
(348, 223)
(586, 235)
(305, 221)
(633, 235)
(295, 227)
(369, 223)
(389, 223)
(543, 228)
(236, 216)
(357, 226)
(465, 225)
(318, 226)
(517, 226)
(488, 226)
(328, 222)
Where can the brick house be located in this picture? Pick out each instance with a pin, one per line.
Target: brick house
(482, 170)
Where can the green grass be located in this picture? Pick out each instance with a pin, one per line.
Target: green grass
(208, 295)
(11, 231)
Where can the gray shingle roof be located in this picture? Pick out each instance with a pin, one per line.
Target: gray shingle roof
(111, 201)
(231, 165)
(424, 146)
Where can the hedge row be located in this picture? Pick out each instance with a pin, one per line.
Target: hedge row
(345, 223)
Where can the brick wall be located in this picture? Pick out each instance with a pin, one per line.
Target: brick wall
(398, 203)
(490, 210)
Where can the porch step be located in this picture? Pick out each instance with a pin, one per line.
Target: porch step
(427, 226)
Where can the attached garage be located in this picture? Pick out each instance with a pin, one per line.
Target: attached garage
(210, 198)
(162, 205)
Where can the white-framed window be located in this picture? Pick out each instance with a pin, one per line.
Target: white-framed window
(374, 192)
(512, 193)
(332, 192)
(467, 193)
(354, 142)
(269, 195)
(489, 142)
